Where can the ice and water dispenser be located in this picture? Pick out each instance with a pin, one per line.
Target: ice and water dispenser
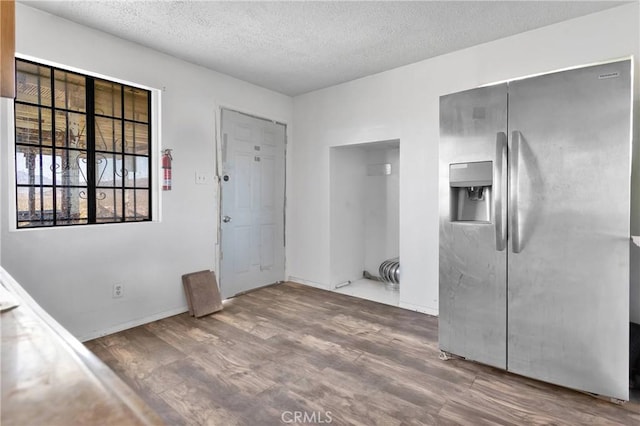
(470, 185)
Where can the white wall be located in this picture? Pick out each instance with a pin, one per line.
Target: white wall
(403, 104)
(382, 209)
(70, 271)
(363, 210)
(347, 205)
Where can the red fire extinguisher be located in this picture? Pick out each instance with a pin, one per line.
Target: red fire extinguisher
(166, 168)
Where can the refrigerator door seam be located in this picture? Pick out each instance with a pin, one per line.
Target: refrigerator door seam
(515, 161)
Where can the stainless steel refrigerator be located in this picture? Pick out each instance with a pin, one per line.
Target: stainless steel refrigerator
(534, 226)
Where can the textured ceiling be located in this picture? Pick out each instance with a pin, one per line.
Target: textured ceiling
(297, 47)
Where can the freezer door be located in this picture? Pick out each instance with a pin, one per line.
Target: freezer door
(472, 312)
(568, 298)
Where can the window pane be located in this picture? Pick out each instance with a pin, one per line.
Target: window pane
(136, 138)
(33, 168)
(46, 120)
(70, 91)
(29, 205)
(71, 204)
(34, 209)
(136, 171)
(70, 167)
(108, 99)
(27, 124)
(29, 121)
(108, 169)
(28, 165)
(119, 168)
(108, 205)
(63, 222)
(33, 83)
(108, 134)
(142, 172)
(136, 204)
(52, 148)
(35, 224)
(136, 104)
(71, 130)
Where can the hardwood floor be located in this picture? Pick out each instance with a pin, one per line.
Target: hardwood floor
(277, 354)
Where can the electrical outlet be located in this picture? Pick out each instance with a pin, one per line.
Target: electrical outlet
(118, 290)
(202, 178)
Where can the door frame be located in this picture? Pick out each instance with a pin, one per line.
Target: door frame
(218, 179)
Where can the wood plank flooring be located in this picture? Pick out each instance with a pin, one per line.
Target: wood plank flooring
(289, 350)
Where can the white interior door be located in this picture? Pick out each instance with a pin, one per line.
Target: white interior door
(252, 203)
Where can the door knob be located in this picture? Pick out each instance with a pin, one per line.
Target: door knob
(226, 219)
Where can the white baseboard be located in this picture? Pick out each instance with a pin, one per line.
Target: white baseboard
(141, 321)
(418, 308)
(309, 283)
(133, 323)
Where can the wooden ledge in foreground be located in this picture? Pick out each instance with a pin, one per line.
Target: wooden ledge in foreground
(49, 377)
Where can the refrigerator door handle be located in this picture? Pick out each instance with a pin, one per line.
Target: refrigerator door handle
(513, 191)
(500, 207)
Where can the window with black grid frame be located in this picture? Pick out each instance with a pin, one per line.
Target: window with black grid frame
(82, 149)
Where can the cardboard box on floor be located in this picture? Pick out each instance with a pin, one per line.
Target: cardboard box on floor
(201, 290)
